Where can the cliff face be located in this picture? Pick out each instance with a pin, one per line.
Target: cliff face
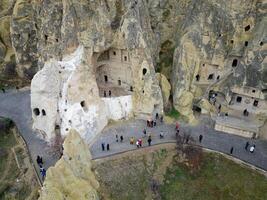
(71, 177)
(198, 45)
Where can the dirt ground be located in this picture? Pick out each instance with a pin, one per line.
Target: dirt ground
(160, 173)
(17, 180)
(132, 174)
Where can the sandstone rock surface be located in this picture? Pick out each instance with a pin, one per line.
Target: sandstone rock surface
(71, 178)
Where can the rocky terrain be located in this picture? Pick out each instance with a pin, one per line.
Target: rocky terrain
(91, 62)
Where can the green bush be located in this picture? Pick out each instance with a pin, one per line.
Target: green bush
(173, 113)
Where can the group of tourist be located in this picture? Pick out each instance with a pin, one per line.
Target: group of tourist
(103, 146)
(40, 163)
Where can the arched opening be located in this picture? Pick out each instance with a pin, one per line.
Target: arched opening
(131, 88)
(82, 104)
(255, 103)
(261, 43)
(232, 41)
(106, 78)
(211, 77)
(247, 28)
(238, 99)
(218, 77)
(197, 77)
(46, 37)
(125, 58)
(119, 82)
(43, 112)
(144, 71)
(246, 43)
(36, 111)
(234, 63)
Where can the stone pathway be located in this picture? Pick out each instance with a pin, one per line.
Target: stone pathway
(16, 106)
(212, 139)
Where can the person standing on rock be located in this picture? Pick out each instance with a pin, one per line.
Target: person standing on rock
(149, 140)
(103, 146)
(121, 138)
(200, 138)
(231, 150)
(107, 146)
(246, 147)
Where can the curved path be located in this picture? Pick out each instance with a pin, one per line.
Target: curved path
(212, 139)
(16, 106)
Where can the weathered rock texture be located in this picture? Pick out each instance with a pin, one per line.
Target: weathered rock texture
(71, 177)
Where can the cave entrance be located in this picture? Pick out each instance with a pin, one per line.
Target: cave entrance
(114, 73)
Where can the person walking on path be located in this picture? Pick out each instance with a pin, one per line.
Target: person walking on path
(121, 138)
(103, 146)
(200, 138)
(149, 140)
(39, 160)
(177, 133)
(43, 173)
(132, 140)
(140, 142)
(161, 119)
(161, 135)
(107, 146)
(246, 147)
(231, 150)
(154, 123)
(137, 144)
(117, 138)
(144, 131)
(177, 126)
(252, 148)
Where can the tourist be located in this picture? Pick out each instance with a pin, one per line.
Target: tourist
(161, 119)
(177, 133)
(246, 147)
(140, 142)
(200, 138)
(107, 146)
(144, 131)
(147, 123)
(137, 144)
(177, 126)
(121, 138)
(109, 93)
(132, 140)
(154, 123)
(105, 94)
(161, 135)
(219, 108)
(43, 173)
(231, 150)
(157, 116)
(103, 146)
(117, 138)
(149, 140)
(3, 90)
(252, 148)
(39, 160)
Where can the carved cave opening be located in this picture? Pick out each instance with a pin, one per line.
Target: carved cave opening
(114, 73)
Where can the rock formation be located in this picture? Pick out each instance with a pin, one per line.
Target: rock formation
(200, 46)
(71, 177)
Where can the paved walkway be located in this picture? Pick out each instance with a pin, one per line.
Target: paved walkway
(212, 139)
(16, 106)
